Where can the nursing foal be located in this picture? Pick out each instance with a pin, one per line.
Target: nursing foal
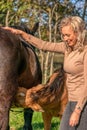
(50, 98)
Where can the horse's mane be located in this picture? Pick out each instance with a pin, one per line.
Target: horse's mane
(24, 28)
(51, 88)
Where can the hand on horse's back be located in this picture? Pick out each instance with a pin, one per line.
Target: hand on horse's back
(15, 31)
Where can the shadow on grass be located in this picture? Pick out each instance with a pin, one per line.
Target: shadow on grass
(40, 126)
(55, 126)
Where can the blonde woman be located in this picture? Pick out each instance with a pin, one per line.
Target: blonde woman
(74, 47)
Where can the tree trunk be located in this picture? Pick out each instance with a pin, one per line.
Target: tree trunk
(6, 20)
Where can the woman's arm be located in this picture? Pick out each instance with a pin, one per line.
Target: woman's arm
(38, 43)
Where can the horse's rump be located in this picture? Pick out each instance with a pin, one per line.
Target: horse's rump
(19, 67)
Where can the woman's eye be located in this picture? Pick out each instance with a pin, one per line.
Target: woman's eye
(68, 35)
(65, 35)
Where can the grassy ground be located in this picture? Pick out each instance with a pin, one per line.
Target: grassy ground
(16, 120)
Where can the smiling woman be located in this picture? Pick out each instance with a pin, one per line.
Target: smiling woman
(74, 47)
(69, 36)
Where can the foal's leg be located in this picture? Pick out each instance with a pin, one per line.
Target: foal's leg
(47, 120)
(28, 113)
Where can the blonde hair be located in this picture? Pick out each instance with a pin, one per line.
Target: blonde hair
(78, 26)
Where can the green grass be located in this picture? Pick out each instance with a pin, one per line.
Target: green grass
(17, 121)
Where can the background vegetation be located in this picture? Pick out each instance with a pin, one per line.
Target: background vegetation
(48, 13)
(17, 120)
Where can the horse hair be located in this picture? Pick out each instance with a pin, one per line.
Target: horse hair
(51, 89)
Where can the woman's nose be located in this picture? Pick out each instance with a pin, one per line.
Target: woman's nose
(65, 38)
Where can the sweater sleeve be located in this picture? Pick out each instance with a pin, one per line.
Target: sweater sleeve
(38, 43)
(44, 45)
(83, 97)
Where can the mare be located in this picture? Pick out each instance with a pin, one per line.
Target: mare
(28, 112)
(50, 98)
(19, 67)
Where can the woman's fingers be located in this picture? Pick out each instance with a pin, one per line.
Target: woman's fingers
(74, 119)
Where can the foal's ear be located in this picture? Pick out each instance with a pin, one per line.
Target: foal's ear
(34, 29)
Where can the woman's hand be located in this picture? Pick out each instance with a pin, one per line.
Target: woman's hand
(74, 119)
(15, 31)
(20, 33)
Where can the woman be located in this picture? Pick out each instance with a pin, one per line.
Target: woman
(74, 48)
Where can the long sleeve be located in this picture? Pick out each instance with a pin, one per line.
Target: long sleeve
(38, 43)
(44, 45)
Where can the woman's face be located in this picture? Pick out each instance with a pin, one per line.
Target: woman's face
(68, 35)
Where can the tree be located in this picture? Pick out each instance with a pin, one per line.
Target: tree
(48, 13)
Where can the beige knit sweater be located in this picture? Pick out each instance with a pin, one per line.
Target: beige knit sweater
(75, 66)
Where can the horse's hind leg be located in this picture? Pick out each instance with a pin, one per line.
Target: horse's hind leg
(4, 111)
(3, 119)
(28, 113)
(7, 92)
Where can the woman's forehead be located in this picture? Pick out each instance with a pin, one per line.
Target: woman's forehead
(67, 28)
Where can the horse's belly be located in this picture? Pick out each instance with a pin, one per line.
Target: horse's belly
(26, 80)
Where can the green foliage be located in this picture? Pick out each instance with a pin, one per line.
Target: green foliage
(17, 121)
(32, 10)
(16, 118)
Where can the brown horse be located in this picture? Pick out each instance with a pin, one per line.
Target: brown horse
(28, 112)
(19, 67)
(50, 99)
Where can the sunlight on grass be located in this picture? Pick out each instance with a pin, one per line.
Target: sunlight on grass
(17, 121)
